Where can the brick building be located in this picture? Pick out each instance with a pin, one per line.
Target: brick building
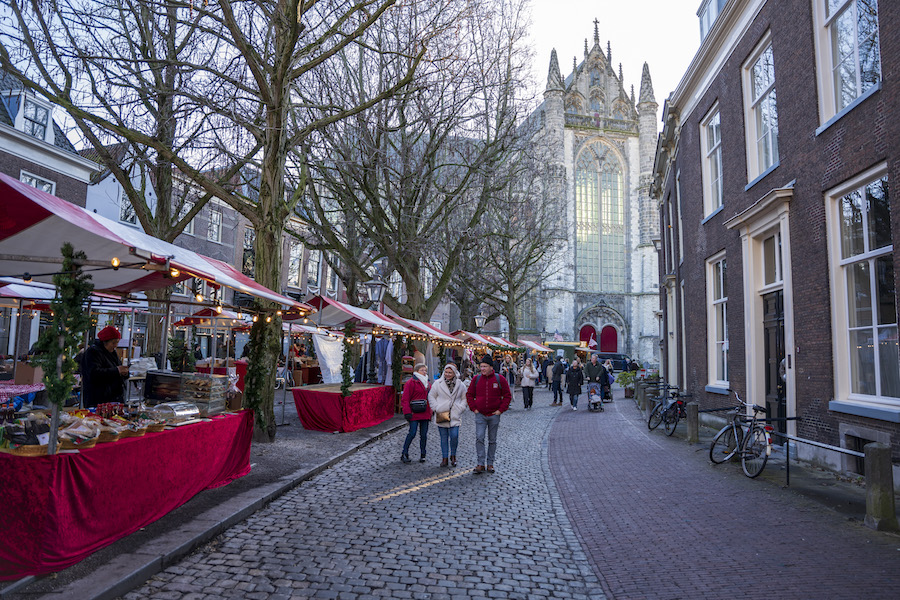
(777, 261)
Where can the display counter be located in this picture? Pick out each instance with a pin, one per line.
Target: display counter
(57, 510)
(240, 367)
(322, 408)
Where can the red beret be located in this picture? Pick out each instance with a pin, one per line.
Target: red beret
(109, 333)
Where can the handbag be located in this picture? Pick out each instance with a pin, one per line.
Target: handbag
(418, 406)
(442, 416)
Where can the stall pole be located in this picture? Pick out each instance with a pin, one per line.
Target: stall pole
(131, 338)
(16, 346)
(286, 367)
(165, 337)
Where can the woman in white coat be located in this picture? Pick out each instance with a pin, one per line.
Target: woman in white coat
(447, 398)
(529, 378)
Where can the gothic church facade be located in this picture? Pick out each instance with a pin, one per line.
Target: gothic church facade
(601, 145)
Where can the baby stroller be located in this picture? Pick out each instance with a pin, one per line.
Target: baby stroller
(595, 397)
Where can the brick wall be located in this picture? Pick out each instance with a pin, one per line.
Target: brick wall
(66, 188)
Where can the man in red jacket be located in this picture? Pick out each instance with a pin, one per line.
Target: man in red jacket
(488, 397)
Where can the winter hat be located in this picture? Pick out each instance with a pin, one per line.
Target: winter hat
(109, 333)
(487, 360)
(453, 368)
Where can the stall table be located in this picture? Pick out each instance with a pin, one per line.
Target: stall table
(322, 408)
(59, 509)
(8, 392)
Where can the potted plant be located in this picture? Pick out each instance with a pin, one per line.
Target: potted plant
(626, 380)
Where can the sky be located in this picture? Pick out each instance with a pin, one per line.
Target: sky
(663, 33)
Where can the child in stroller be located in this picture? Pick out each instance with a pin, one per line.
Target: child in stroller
(595, 397)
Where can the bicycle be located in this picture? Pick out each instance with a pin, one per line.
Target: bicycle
(284, 377)
(675, 412)
(656, 415)
(743, 436)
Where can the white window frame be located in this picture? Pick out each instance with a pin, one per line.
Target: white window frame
(48, 125)
(717, 341)
(829, 108)
(214, 226)
(124, 206)
(27, 177)
(315, 258)
(185, 209)
(295, 253)
(752, 103)
(843, 384)
(711, 155)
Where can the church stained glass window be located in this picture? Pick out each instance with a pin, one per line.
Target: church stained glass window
(600, 221)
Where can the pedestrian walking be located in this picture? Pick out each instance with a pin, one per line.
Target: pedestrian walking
(595, 377)
(547, 368)
(508, 370)
(529, 379)
(574, 381)
(488, 397)
(557, 375)
(447, 400)
(414, 403)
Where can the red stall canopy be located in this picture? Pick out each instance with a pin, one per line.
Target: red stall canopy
(332, 313)
(33, 222)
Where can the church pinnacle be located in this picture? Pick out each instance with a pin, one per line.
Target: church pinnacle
(554, 78)
(646, 86)
(596, 32)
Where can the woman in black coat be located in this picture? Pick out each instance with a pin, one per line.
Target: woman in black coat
(574, 381)
(103, 377)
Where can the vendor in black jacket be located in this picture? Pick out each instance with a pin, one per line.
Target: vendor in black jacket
(103, 376)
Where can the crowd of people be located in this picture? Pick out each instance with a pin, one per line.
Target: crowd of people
(488, 394)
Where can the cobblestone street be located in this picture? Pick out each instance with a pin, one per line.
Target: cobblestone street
(374, 527)
(637, 515)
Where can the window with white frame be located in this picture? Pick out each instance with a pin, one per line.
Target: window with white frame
(848, 56)
(771, 254)
(214, 227)
(37, 182)
(248, 258)
(186, 207)
(711, 146)
(313, 266)
(761, 114)
(333, 275)
(864, 300)
(37, 119)
(295, 259)
(717, 330)
(127, 214)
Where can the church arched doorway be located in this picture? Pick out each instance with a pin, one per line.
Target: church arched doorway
(588, 335)
(609, 339)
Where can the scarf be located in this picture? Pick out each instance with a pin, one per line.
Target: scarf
(421, 378)
(451, 383)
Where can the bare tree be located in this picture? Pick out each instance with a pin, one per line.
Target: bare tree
(253, 61)
(398, 173)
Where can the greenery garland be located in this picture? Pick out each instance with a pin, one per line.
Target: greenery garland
(397, 364)
(58, 344)
(346, 372)
(442, 352)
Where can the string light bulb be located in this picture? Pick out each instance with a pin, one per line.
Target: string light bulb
(174, 273)
(115, 262)
(269, 319)
(255, 318)
(199, 297)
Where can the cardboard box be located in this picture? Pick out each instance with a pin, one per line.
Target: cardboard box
(235, 400)
(28, 375)
(298, 377)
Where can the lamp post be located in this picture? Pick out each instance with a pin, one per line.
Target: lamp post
(480, 320)
(375, 289)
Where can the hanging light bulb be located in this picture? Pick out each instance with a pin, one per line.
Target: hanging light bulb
(269, 319)
(115, 262)
(255, 318)
(174, 273)
(199, 297)
(219, 308)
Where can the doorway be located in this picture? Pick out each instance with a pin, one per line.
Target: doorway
(775, 367)
(609, 339)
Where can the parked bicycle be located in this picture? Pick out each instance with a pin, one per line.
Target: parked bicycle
(743, 436)
(675, 412)
(666, 393)
(284, 376)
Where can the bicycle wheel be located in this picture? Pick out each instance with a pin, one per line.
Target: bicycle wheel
(655, 417)
(670, 418)
(723, 446)
(755, 453)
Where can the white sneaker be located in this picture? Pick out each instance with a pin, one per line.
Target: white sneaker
(574, 408)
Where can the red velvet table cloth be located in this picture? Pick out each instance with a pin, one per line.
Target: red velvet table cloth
(322, 408)
(240, 367)
(57, 510)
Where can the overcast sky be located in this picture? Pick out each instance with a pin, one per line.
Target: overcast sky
(664, 33)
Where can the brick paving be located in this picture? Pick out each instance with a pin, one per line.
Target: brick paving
(657, 520)
(373, 527)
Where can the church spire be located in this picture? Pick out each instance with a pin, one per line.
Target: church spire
(608, 52)
(554, 79)
(596, 32)
(646, 86)
(585, 48)
(632, 93)
(621, 79)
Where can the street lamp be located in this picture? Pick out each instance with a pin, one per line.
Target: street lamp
(480, 320)
(375, 289)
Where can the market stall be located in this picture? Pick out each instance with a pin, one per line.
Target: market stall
(59, 509)
(227, 320)
(323, 408)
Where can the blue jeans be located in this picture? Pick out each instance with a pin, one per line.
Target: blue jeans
(449, 440)
(557, 390)
(573, 398)
(423, 437)
(489, 424)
